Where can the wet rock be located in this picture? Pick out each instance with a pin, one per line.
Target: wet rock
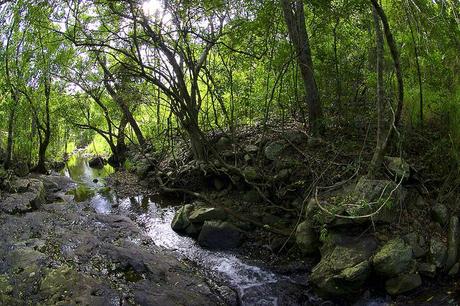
(418, 244)
(397, 167)
(32, 197)
(438, 252)
(440, 213)
(426, 269)
(403, 283)
(21, 169)
(220, 235)
(96, 162)
(306, 238)
(344, 268)
(393, 258)
(203, 214)
(273, 150)
(181, 218)
(54, 183)
(453, 242)
(193, 230)
(67, 287)
(119, 223)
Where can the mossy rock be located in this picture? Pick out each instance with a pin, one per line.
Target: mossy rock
(393, 258)
(344, 267)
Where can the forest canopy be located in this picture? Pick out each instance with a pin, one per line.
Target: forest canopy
(145, 73)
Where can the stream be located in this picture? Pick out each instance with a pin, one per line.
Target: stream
(254, 283)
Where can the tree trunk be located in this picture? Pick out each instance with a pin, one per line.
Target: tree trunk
(379, 152)
(395, 56)
(294, 16)
(9, 145)
(119, 154)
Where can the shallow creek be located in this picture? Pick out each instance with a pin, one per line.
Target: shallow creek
(254, 284)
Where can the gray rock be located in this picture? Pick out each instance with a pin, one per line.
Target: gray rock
(219, 235)
(193, 230)
(454, 270)
(344, 268)
(393, 258)
(203, 214)
(453, 242)
(223, 143)
(32, 197)
(397, 166)
(403, 283)
(306, 238)
(273, 150)
(372, 194)
(181, 218)
(418, 244)
(438, 252)
(426, 269)
(440, 213)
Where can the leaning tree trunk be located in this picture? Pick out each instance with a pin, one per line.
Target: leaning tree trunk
(294, 16)
(395, 56)
(379, 152)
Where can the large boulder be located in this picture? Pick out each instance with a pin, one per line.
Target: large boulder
(220, 235)
(31, 197)
(372, 194)
(403, 283)
(306, 238)
(181, 219)
(344, 268)
(393, 258)
(203, 214)
(453, 242)
(380, 200)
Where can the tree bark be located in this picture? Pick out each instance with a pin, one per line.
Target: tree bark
(294, 17)
(379, 152)
(9, 144)
(395, 56)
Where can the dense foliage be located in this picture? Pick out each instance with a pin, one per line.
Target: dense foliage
(142, 73)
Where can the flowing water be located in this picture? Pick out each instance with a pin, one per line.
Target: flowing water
(254, 284)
